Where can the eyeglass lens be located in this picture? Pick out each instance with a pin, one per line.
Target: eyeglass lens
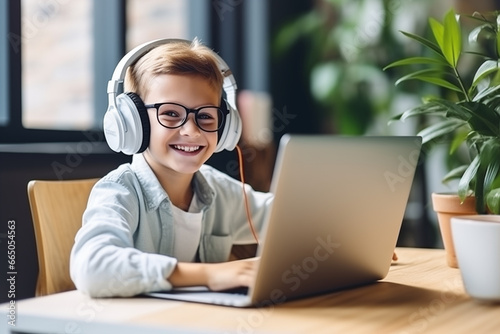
(207, 118)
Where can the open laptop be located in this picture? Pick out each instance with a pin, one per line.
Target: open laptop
(338, 208)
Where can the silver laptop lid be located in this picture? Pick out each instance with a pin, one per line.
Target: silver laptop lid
(338, 208)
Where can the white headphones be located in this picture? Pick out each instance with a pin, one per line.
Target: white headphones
(126, 122)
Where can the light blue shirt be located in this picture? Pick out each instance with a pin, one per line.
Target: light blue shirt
(126, 242)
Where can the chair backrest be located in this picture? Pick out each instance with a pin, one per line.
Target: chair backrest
(57, 208)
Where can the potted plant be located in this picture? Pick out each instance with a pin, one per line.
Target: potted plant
(467, 114)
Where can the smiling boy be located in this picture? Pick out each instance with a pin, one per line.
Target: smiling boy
(166, 219)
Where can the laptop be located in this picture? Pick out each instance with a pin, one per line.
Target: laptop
(335, 220)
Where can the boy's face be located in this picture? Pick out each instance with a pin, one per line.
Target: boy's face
(184, 149)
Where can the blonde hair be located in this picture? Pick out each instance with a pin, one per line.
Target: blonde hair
(179, 58)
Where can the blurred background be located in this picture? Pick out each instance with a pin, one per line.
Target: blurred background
(311, 66)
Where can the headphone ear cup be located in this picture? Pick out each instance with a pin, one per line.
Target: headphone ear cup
(231, 131)
(127, 127)
(144, 119)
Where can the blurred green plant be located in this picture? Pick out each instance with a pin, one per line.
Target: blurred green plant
(470, 117)
(347, 43)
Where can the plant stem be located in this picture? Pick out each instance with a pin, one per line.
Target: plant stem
(459, 78)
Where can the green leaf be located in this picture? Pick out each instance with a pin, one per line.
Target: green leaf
(454, 110)
(440, 82)
(493, 201)
(452, 38)
(498, 40)
(427, 108)
(478, 16)
(491, 173)
(487, 171)
(437, 106)
(489, 158)
(486, 68)
(474, 34)
(486, 29)
(432, 76)
(455, 173)
(479, 186)
(479, 116)
(485, 93)
(440, 129)
(460, 137)
(496, 182)
(478, 54)
(483, 119)
(427, 43)
(469, 174)
(418, 60)
(438, 31)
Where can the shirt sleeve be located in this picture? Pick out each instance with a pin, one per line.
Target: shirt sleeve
(104, 261)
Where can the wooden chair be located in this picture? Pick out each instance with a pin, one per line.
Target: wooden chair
(56, 208)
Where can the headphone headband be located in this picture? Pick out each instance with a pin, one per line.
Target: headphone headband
(229, 85)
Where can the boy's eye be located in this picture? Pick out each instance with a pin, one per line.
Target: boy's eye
(170, 113)
(205, 116)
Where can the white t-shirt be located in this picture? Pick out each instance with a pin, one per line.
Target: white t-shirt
(187, 229)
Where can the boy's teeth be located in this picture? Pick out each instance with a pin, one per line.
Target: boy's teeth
(187, 148)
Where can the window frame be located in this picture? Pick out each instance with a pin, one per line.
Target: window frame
(4, 87)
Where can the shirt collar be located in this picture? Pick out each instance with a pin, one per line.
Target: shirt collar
(203, 189)
(154, 192)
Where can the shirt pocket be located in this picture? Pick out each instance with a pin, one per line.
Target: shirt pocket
(215, 248)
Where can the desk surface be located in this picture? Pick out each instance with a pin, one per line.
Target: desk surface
(421, 294)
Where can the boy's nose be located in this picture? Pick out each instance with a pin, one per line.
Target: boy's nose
(190, 127)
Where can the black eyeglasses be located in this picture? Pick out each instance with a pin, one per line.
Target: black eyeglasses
(173, 115)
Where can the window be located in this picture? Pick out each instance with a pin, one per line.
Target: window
(165, 19)
(69, 50)
(57, 73)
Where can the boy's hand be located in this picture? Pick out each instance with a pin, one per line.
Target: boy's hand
(215, 276)
(233, 274)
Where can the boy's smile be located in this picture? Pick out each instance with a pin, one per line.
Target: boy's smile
(185, 149)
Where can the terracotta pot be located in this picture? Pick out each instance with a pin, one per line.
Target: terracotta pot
(447, 206)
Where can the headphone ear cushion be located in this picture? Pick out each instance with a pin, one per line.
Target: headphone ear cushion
(230, 133)
(143, 115)
(225, 109)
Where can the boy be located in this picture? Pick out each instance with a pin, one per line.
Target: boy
(168, 220)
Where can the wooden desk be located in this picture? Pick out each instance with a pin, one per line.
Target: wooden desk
(421, 294)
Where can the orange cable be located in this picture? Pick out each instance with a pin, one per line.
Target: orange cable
(242, 178)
